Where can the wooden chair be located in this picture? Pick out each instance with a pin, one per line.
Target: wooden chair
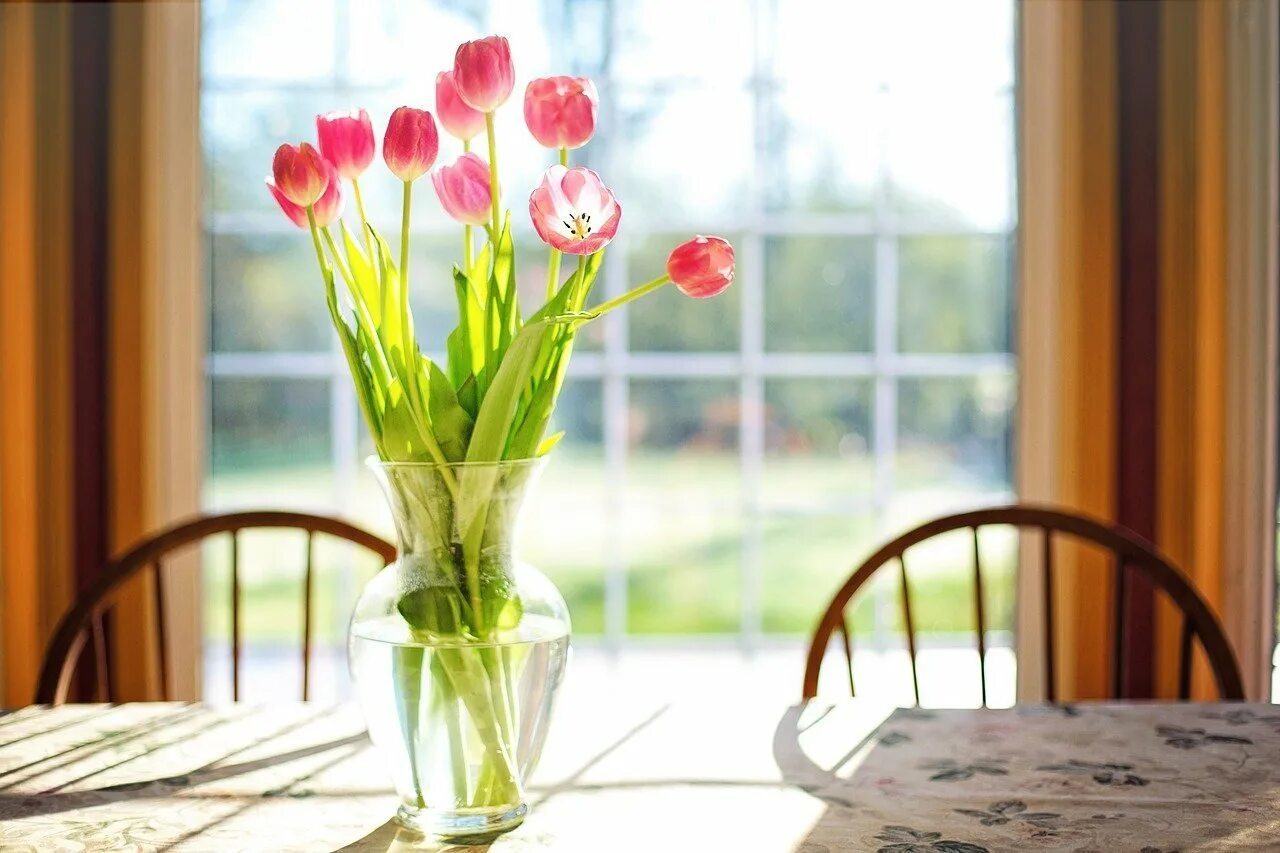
(1128, 549)
(84, 620)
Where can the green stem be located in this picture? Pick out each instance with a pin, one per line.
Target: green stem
(315, 237)
(493, 179)
(364, 220)
(406, 333)
(579, 288)
(634, 293)
(553, 265)
(404, 235)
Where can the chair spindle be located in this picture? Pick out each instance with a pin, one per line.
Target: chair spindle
(910, 625)
(103, 686)
(235, 615)
(1118, 637)
(848, 650)
(1050, 662)
(980, 613)
(306, 617)
(162, 633)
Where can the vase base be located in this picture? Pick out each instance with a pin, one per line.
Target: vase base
(465, 826)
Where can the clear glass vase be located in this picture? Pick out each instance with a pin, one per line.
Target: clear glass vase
(458, 649)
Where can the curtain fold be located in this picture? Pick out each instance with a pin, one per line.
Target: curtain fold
(1083, 255)
(101, 411)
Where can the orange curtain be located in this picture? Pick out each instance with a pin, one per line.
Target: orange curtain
(1071, 246)
(137, 448)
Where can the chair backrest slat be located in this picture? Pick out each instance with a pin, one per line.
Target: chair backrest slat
(1050, 632)
(980, 615)
(306, 617)
(1130, 552)
(848, 651)
(162, 633)
(100, 660)
(1184, 659)
(235, 615)
(1119, 629)
(909, 624)
(83, 623)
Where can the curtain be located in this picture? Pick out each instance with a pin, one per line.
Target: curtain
(101, 413)
(1140, 340)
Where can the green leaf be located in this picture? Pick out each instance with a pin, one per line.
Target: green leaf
(489, 437)
(360, 373)
(449, 420)
(490, 434)
(550, 442)
(400, 437)
(361, 270)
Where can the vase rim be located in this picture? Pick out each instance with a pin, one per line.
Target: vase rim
(376, 462)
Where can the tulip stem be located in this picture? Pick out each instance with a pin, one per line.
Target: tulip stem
(364, 220)
(404, 235)
(553, 266)
(634, 293)
(315, 238)
(493, 178)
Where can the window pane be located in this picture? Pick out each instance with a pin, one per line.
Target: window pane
(266, 294)
(818, 443)
(268, 40)
(708, 43)
(683, 527)
(954, 435)
(821, 160)
(676, 183)
(269, 443)
(566, 523)
(806, 559)
(667, 319)
(954, 294)
(818, 293)
(966, 181)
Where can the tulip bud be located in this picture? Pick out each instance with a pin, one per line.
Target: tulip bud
(346, 141)
(701, 267)
(561, 111)
(459, 120)
(464, 189)
(411, 143)
(299, 173)
(327, 209)
(483, 73)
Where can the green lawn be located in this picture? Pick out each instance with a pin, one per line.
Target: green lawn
(681, 525)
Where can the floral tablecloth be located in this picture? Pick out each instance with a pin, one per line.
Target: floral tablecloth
(624, 774)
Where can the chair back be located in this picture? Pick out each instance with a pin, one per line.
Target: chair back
(1128, 550)
(83, 623)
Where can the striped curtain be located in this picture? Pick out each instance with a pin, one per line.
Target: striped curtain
(1141, 340)
(100, 382)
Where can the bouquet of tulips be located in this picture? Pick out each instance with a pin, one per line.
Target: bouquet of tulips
(493, 398)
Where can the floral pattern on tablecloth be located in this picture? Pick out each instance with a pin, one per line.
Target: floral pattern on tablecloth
(1157, 777)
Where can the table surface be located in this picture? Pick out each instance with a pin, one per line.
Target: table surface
(630, 775)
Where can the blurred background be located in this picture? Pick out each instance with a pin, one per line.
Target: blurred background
(987, 251)
(726, 462)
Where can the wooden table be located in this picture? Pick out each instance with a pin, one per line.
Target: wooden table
(684, 776)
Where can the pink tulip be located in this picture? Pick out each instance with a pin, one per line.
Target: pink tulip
(299, 173)
(561, 111)
(464, 190)
(573, 211)
(411, 143)
(458, 120)
(701, 267)
(327, 209)
(346, 141)
(483, 73)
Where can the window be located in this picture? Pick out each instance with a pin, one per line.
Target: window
(726, 462)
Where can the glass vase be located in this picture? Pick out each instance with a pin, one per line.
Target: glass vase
(458, 649)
